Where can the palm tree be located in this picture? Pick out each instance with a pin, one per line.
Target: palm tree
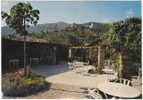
(21, 16)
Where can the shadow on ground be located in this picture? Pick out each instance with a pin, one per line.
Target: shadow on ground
(49, 70)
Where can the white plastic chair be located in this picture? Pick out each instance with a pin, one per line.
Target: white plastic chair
(106, 97)
(94, 94)
(125, 81)
(70, 66)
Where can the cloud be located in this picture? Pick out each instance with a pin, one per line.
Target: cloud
(130, 13)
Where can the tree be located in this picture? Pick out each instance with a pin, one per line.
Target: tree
(21, 16)
(125, 36)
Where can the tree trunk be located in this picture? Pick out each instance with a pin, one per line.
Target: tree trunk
(25, 68)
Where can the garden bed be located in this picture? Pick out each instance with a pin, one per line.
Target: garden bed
(18, 85)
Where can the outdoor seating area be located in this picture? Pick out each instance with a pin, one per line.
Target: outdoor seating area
(97, 86)
(119, 90)
(110, 89)
(123, 81)
(68, 50)
(105, 85)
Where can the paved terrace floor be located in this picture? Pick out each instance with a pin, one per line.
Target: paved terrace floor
(66, 83)
(60, 74)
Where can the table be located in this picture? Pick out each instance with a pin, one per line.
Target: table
(118, 90)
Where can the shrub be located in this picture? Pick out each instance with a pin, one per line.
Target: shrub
(92, 71)
(18, 85)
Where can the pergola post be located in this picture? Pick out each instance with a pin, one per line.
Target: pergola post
(54, 55)
(100, 62)
(100, 55)
(90, 50)
(70, 52)
(120, 70)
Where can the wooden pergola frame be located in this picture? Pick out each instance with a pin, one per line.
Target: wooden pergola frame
(100, 56)
(74, 47)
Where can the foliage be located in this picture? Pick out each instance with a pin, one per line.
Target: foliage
(125, 38)
(16, 84)
(41, 34)
(21, 16)
(77, 34)
(126, 34)
(82, 35)
(94, 71)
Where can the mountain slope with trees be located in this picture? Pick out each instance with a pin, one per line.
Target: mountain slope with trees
(59, 26)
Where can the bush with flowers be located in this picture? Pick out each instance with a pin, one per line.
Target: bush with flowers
(16, 84)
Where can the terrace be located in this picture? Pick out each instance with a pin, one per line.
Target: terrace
(72, 61)
(78, 79)
(70, 84)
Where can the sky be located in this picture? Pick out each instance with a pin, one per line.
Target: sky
(81, 11)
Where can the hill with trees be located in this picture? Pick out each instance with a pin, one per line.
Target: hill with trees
(53, 27)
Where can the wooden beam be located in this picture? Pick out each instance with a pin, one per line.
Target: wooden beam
(77, 47)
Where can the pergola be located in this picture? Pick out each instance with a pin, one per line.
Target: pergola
(100, 54)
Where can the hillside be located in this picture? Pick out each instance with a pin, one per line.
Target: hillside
(59, 26)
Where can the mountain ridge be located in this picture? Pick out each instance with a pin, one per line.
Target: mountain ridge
(58, 26)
